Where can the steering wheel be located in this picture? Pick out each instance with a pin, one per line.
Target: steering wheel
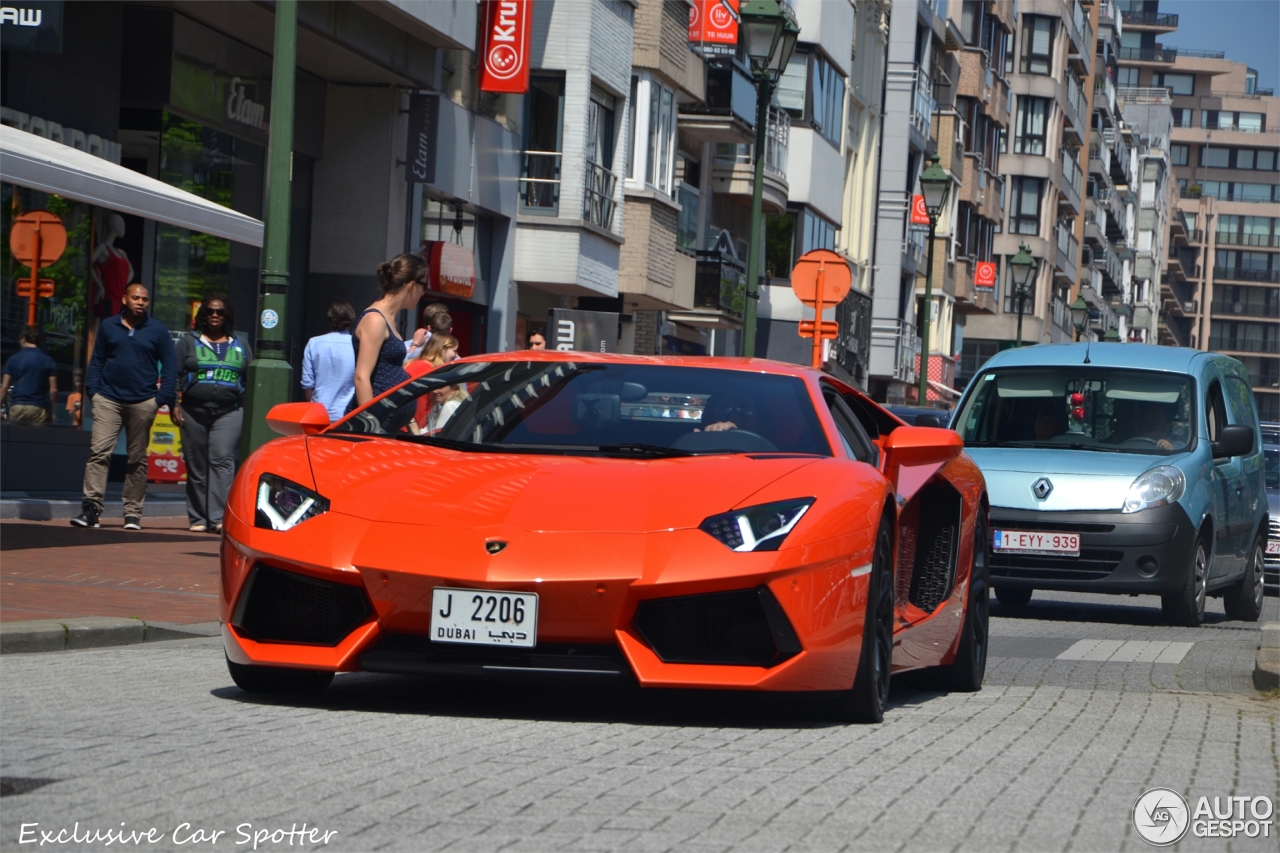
(1143, 438)
(739, 440)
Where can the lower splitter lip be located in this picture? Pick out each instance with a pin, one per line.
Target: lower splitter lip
(404, 654)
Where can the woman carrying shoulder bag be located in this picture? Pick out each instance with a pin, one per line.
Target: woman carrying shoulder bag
(212, 362)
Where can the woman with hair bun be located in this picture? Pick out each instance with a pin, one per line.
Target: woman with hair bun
(379, 349)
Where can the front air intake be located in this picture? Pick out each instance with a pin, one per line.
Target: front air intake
(276, 606)
(743, 628)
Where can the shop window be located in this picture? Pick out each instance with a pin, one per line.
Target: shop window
(541, 148)
(1033, 116)
(1037, 45)
(1024, 208)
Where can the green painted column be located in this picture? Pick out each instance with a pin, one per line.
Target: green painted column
(270, 376)
(764, 92)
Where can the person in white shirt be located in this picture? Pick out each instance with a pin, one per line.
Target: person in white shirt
(329, 363)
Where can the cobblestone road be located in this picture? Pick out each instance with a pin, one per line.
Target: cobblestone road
(1051, 755)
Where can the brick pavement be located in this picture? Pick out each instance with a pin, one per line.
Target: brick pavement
(163, 573)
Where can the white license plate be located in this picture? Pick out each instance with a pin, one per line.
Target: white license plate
(1037, 542)
(484, 617)
(1273, 547)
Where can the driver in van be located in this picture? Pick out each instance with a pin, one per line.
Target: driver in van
(1155, 424)
(729, 411)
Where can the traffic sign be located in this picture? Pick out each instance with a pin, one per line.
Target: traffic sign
(820, 279)
(22, 237)
(830, 330)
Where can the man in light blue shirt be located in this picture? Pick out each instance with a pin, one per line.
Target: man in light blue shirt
(329, 363)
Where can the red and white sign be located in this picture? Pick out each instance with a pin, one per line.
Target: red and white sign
(451, 270)
(919, 213)
(984, 275)
(508, 35)
(1037, 542)
(714, 22)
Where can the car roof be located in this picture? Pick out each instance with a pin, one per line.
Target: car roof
(1137, 356)
(751, 365)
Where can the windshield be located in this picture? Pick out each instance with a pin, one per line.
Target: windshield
(1273, 466)
(614, 409)
(1080, 408)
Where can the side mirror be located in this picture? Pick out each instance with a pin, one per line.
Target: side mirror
(298, 418)
(911, 446)
(1233, 441)
(929, 421)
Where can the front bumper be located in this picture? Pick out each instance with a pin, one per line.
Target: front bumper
(1145, 552)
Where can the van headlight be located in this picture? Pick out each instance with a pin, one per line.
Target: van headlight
(283, 504)
(1157, 487)
(757, 528)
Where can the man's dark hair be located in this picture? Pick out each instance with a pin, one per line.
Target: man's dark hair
(436, 316)
(31, 334)
(202, 315)
(341, 315)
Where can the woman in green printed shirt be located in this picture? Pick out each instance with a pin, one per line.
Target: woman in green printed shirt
(212, 363)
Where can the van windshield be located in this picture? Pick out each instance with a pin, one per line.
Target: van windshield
(1080, 408)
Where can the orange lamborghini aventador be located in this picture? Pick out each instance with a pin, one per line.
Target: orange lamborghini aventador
(674, 522)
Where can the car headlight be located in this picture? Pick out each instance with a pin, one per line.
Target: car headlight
(283, 504)
(1157, 487)
(757, 528)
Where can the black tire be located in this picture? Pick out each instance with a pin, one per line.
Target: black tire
(1187, 607)
(866, 702)
(966, 673)
(1243, 601)
(275, 679)
(1010, 597)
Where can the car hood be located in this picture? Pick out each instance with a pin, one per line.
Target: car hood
(1081, 479)
(394, 481)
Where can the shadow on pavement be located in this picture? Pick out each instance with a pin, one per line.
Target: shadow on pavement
(1050, 610)
(24, 537)
(417, 695)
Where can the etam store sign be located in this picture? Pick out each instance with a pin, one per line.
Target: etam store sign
(508, 36)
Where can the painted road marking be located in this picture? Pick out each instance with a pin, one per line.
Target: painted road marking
(1127, 651)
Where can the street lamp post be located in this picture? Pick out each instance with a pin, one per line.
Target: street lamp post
(1023, 270)
(935, 186)
(769, 37)
(1079, 315)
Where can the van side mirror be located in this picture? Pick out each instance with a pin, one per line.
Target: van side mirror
(1233, 441)
(298, 418)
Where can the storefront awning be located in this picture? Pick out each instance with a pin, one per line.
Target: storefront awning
(51, 167)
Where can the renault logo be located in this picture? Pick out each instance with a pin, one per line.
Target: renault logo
(1041, 488)
(494, 546)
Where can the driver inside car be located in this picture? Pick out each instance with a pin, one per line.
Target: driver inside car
(729, 411)
(1155, 425)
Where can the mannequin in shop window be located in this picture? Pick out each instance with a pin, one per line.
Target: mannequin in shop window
(111, 272)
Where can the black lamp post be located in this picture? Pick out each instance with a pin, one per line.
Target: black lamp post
(768, 35)
(935, 186)
(1023, 270)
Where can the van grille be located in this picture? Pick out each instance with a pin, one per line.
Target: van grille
(1090, 565)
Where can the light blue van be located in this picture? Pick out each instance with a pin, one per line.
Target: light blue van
(1121, 468)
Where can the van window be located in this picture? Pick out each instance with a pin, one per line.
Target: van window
(1079, 408)
(1215, 411)
(1240, 398)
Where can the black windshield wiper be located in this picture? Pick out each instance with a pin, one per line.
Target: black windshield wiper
(1075, 445)
(652, 450)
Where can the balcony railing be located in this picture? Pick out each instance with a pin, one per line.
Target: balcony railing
(1246, 275)
(902, 336)
(1198, 54)
(1245, 309)
(923, 104)
(777, 137)
(914, 246)
(687, 221)
(598, 203)
(1104, 90)
(1158, 53)
(540, 181)
(1075, 97)
(1133, 95)
(1225, 343)
(1265, 241)
(1150, 19)
(1071, 174)
(1068, 251)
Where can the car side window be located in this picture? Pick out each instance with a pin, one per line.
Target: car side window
(854, 437)
(1215, 411)
(1240, 399)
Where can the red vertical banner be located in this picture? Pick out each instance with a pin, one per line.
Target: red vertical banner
(508, 37)
(919, 213)
(713, 26)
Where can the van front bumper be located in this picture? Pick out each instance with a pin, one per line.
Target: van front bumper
(1145, 552)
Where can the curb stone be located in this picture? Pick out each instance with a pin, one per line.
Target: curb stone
(91, 632)
(1266, 668)
(37, 509)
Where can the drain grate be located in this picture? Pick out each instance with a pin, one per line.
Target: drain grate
(12, 786)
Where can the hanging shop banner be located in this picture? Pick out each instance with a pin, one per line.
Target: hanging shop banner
(424, 134)
(713, 27)
(919, 213)
(34, 25)
(582, 331)
(451, 269)
(984, 276)
(508, 38)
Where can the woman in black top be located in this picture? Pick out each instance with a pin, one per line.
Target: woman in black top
(380, 352)
(212, 363)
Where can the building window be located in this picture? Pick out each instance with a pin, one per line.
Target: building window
(600, 183)
(1008, 53)
(1266, 161)
(654, 136)
(791, 86)
(1177, 84)
(1179, 154)
(540, 157)
(1215, 158)
(828, 100)
(1029, 131)
(1037, 45)
(1024, 208)
(1128, 77)
(1181, 115)
(815, 233)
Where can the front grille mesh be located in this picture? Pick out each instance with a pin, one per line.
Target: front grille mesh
(717, 628)
(1090, 565)
(286, 607)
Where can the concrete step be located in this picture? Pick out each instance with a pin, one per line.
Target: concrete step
(91, 632)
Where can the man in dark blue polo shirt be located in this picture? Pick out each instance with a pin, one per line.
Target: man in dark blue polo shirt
(30, 378)
(132, 355)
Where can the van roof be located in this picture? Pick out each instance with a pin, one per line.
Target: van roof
(1137, 356)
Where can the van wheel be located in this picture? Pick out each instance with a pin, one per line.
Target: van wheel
(1010, 597)
(1187, 607)
(1244, 600)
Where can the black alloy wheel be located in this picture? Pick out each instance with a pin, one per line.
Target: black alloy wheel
(1243, 601)
(276, 679)
(1187, 607)
(966, 673)
(1010, 597)
(866, 702)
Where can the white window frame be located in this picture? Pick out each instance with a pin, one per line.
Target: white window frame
(642, 174)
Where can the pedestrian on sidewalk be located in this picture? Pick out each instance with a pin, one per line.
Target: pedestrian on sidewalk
(132, 355)
(212, 359)
(329, 363)
(438, 322)
(379, 349)
(32, 378)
